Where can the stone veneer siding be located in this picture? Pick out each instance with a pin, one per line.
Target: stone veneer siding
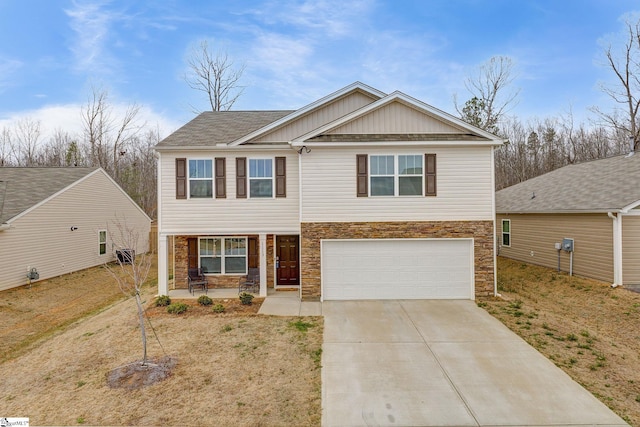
(313, 233)
(216, 281)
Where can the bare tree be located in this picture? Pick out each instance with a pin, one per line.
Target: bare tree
(625, 64)
(106, 134)
(7, 148)
(131, 270)
(491, 94)
(214, 74)
(27, 136)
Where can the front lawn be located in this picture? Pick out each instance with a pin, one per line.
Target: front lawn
(585, 327)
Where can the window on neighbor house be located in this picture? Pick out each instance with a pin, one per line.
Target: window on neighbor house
(223, 255)
(200, 178)
(260, 178)
(506, 232)
(400, 175)
(102, 242)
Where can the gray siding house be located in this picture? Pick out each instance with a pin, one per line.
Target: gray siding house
(594, 205)
(60, 220)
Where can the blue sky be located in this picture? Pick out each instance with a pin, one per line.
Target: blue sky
(53, 52)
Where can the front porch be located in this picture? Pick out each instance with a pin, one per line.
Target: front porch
(225, 261)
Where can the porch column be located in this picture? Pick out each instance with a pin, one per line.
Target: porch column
(617, 249)
(263, 264)
(163, 279)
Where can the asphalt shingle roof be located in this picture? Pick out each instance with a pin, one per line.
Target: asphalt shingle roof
(597, 186)
(217, 127)
(22, 188)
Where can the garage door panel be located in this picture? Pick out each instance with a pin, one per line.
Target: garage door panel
(397, 269)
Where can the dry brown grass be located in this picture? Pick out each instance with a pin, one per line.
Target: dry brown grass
(232, 368)
(585, 327)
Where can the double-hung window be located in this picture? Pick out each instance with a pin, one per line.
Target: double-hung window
(506, 232)
(223, 255)
(396, 175)
(260, 178)
(200, 178)
(102, 242)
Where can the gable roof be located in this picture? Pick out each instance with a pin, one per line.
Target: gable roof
(225, 129)
(22, 188)
(606, 185)
(459, 129)
(220, 127)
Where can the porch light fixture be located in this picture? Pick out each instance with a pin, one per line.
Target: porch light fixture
(73, 228)
(305, 148)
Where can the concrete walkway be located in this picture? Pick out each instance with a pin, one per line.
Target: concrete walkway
(441, 363)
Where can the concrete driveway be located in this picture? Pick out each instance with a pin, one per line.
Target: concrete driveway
(441, 363)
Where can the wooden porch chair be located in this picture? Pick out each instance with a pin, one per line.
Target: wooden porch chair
(197, 279)
(250, 282)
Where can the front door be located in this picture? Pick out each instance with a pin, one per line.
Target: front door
(287, 260)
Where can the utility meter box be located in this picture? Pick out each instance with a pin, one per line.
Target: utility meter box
(567, 244)
(558, 246)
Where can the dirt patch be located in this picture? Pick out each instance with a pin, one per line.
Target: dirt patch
(588, 329)
(135, 375)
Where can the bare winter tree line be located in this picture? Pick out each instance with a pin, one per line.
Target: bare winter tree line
(538, 146)
(117, 142)
(122, 145)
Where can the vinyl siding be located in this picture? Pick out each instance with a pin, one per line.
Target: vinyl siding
(395, 118)
(319, 117)
(631, 250)
(464, 183)
(533, 237)
(230, 215)
(42, 238)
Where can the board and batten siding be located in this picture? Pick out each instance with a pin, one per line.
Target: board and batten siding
(325, 114)
(42, 238)
(229, 215)
(631, 250)
(533, 239)
(464, 187)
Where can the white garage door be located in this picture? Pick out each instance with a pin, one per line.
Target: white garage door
(397, 269)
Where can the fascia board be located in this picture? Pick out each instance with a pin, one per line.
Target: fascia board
(304, 110)
(224, 147)
(398, 143)
(630, 206)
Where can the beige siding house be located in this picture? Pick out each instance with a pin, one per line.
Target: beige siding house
(60, 220)
(358, 195)
(592, 204)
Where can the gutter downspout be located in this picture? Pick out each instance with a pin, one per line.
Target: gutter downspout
(617, 249)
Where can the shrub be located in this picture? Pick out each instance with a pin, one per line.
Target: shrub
(177, 308)
(163, 300)
(204, 300)
(218, 308)
(246, 298)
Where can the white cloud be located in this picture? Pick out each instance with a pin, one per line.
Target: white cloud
(68, 118)
(91, 23)
(8, 68)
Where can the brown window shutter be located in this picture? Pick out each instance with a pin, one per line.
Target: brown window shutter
(221, 178)
(181, 178)
(253, 253)
(362, 181)
(241, 177)
(430, 175)
(281, 177)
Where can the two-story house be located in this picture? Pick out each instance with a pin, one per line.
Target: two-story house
(358, 195)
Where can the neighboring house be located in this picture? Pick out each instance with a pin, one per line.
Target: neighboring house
(594, 205)
(60, 220)
(358, 195)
